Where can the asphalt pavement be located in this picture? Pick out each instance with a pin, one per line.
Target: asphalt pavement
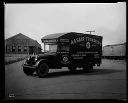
(106, 82)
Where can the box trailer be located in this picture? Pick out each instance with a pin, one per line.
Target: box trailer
(70, 50)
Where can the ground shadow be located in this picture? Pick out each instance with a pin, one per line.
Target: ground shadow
(80, 72)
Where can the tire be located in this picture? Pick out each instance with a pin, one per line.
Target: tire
(28, 71)
(88, 68)
(42, 70)
(72, 69)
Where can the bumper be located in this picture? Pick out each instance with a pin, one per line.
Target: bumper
(29, 66)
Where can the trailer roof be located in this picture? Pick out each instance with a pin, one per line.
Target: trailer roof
(54, 36)
(115, 44)
(57, 35)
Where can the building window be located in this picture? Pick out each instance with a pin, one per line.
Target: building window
(19, 48)
(13, 48)
(25, 48)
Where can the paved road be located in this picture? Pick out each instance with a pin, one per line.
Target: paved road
(106, 82)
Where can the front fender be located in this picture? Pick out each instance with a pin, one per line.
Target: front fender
(39, 61)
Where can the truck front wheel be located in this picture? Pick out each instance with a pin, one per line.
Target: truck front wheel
(72, 69)
(28, 71)
(42, 70)
(88, 68)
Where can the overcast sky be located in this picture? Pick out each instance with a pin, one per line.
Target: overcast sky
(38, 20)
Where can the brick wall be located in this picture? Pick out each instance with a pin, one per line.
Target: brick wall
(20, 44)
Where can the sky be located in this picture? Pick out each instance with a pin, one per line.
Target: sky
(37, 20)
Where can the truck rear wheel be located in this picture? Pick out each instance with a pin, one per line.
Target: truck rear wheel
(28, 71)
(72, 69)
(42, 70)
(88, 68)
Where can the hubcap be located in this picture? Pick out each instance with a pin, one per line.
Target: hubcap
(43, 68)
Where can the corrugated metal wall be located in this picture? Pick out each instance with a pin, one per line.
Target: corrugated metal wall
(115, 50)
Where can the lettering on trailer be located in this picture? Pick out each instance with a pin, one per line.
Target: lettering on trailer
(79, 54)
(78, 57)
(87, 52)
(63, 52)
(50, 41)
(64, 40)
(88, 45)
(80, 39)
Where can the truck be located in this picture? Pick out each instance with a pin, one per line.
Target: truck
(73, 50)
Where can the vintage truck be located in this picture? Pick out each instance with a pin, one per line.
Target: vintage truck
(70, 50)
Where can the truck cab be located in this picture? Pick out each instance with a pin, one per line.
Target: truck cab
(70, 50)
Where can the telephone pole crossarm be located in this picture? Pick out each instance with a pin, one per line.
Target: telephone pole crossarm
(90, 31)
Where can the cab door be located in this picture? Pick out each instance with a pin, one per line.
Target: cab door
(64, 51)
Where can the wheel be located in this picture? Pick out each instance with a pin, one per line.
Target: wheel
(28, 71)
(42, 70)
(88, 68)
(72, 69)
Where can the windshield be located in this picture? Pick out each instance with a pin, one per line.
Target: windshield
(51, 48)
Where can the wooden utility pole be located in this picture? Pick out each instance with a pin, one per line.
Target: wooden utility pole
(90, 31)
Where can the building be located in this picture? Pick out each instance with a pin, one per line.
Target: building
(21, 44)
(115, 51)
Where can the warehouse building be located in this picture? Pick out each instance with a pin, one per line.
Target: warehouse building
(21, 44)
(114, 51)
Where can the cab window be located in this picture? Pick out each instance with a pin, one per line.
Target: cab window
(51, 48)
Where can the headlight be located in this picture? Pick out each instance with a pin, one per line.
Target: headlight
(28, 58)
(25, 62)
(36, 57)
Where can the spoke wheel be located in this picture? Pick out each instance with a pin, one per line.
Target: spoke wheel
(42, 70)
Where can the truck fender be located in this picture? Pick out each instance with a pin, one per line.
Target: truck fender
(39, 61)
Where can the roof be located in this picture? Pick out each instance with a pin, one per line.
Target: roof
(21, 36)
(115, 44)
(54, 36)
(57, 35)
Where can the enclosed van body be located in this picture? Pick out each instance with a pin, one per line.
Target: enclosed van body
(70, 50)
